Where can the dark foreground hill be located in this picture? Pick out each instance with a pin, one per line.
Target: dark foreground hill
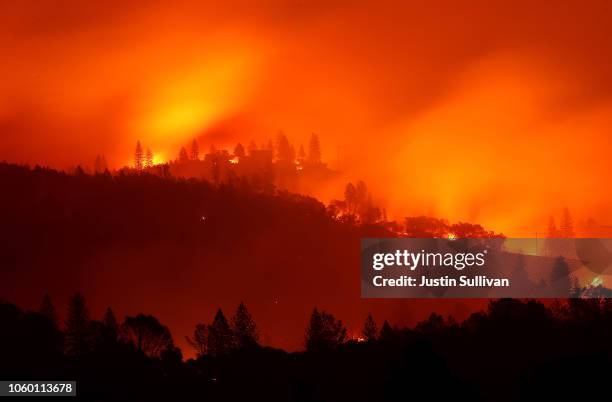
(178, 249)
(513, 351)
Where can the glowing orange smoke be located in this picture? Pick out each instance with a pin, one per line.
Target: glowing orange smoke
(493, 112)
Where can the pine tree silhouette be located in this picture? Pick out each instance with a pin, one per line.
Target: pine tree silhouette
(78, 327)
(245, 329)
(284, 151)
(149, 158)
(195, 150)
(370, 330)
(314, 149)
(199, 341)
(386, 332)
(138, 157)
(220, 336)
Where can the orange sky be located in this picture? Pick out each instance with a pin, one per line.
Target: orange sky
(496, 112)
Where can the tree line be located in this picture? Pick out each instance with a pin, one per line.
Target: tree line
(143, 333)
(529, 349)
(281, 150)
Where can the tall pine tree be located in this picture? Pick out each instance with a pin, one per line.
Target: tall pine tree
(138, 157)
(220, 336)
(370, 330)
(78, 327)
(195, 150)
(245, 329)
(149, 158)
(314, 149)
(199, 341)
(284, 150)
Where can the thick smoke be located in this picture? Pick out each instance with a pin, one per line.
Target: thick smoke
(493, 112)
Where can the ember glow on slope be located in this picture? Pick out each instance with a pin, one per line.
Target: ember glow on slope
(496, 113)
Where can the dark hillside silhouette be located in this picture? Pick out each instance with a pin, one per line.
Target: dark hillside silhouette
(170, 245)
(529, 351)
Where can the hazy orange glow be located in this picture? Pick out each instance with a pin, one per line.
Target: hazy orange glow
(496, 113)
